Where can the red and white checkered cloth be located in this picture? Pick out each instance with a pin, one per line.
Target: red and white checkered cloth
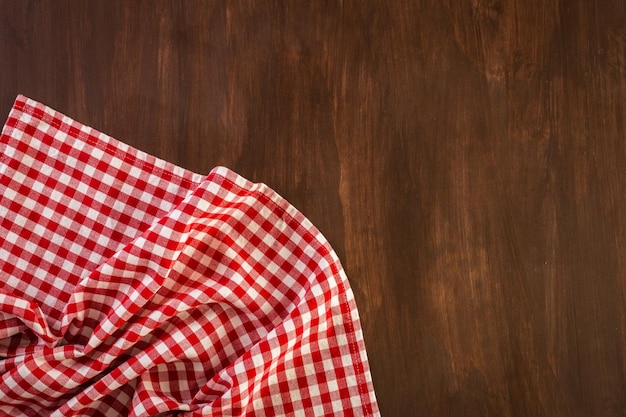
(130, 286)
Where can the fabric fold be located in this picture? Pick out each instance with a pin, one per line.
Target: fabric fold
(131, 286)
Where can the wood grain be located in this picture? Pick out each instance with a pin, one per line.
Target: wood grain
(465, 158)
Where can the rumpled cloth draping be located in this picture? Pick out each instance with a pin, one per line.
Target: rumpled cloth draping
(133, 287)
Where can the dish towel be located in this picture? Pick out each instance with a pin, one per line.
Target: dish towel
(133, 287)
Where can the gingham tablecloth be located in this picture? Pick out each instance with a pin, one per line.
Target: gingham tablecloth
(131, 286)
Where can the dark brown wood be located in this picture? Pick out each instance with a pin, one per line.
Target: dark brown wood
(466, 159)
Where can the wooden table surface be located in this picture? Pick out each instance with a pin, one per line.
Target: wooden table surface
(465, 158)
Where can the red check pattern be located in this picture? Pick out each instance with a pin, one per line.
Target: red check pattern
(130, 286)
